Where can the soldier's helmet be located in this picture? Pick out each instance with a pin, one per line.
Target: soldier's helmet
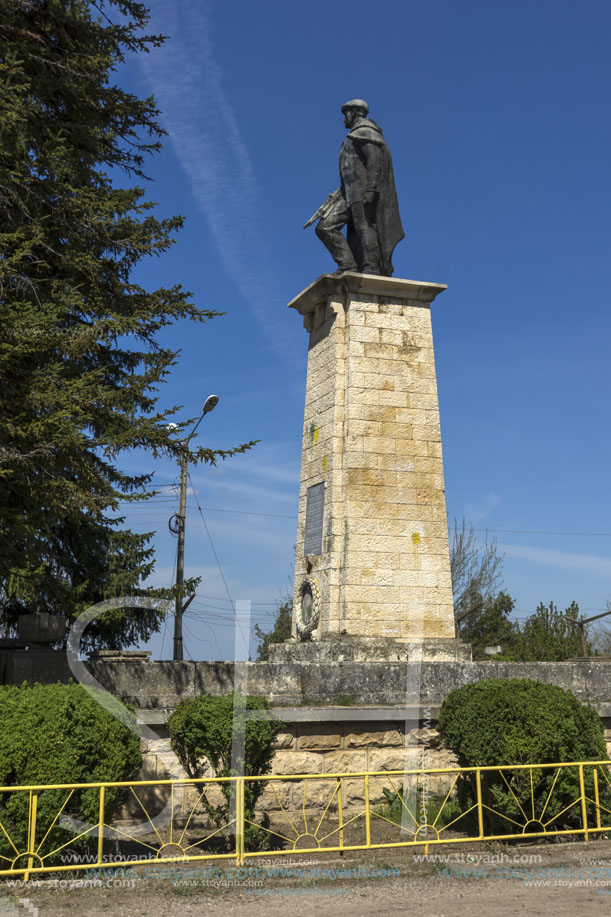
(359, 104)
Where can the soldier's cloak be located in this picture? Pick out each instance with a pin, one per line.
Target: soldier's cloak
(387, 219)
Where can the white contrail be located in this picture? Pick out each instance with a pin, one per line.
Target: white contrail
(589, 563)
(188, 85)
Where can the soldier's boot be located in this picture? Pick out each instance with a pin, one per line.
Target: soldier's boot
(368, 239)
(371, 252)
(338, 247)
(329, 232)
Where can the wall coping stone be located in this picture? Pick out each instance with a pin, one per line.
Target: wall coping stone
(330, 714)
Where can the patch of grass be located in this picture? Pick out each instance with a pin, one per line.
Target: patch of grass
(342, 700)
(346, 700)
(411, 804)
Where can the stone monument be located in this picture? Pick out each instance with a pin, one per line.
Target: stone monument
(372, 572)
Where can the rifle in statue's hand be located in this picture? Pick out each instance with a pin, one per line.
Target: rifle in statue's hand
(325, 207)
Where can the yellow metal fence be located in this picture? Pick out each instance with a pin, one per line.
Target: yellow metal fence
(73, 827)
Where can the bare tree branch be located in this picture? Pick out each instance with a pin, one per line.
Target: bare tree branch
(475, 568)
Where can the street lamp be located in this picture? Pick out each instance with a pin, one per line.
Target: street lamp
(177, 525)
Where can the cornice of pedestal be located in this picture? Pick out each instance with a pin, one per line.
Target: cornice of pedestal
(394, 288)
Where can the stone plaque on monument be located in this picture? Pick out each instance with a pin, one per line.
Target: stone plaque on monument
(315, 511)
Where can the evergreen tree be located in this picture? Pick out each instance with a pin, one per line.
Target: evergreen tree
(280, 632)
(80, 363)
(547, 636)
(489, 625)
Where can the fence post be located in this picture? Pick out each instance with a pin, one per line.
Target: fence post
(340, 812)
(239, 820)
(31, 832)
(101, 826)
(480, 812)
(584, 811)
(596, 796)
(367, 813)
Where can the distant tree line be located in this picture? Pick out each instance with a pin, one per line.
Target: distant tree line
(545, 636)
(483, 611)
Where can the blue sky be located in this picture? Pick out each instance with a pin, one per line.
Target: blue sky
(497, 118)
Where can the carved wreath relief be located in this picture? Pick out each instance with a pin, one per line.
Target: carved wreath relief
(308, 608)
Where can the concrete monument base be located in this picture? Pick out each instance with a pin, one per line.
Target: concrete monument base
(373, 650)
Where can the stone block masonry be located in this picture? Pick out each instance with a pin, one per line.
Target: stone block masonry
(372, 438)
(330, 740)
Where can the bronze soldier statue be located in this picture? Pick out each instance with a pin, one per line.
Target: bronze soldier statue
(366, 202)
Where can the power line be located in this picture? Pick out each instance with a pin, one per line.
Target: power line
(215, 616)
(218, 563)
(535, 532)
(525, 612)
(262, 610)
(168, 499)
(193, 637)
(243, 512)
(142, 520)
(217, 623)
(199, 620)
(218, 598)
(228, 619)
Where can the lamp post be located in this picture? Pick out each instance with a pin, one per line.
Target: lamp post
(179, 527)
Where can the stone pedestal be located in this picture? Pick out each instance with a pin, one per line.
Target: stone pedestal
(46, 666)
(374, 561)
(363, 650)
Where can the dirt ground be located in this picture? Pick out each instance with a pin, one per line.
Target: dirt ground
(555, 878)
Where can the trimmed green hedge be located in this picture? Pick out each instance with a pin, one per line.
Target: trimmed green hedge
(520, 721)
(55, 734)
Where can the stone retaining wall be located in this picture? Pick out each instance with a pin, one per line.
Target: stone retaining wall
(320, 737)
(324, 741)
(162, 685)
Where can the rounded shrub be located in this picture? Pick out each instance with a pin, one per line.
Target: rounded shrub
(519, 721)
(58, 734)
(497, 722)
(205, 731)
